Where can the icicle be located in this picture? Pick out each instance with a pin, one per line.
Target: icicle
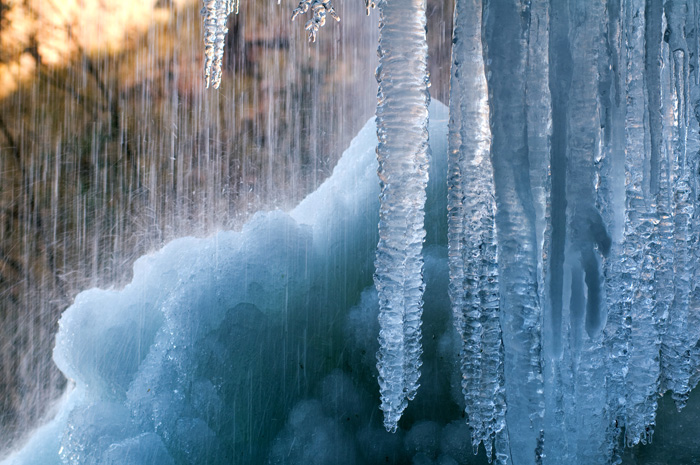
(369, 4)
(506, 30)
(319, 9)
(474, 288)
(539, 132)
(661, 122)
(640, 244)
(679, 336)
(617, 328)
(214, 17)
(693, 149)
(402, 152)
(558, 383)
(587, 240)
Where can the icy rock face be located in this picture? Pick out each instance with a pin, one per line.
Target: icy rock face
(226, 349)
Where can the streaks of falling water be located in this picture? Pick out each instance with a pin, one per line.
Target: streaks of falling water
(115, 149)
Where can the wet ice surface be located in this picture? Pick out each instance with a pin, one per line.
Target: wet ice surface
(256, 345)
(403, 156)
(259, 346)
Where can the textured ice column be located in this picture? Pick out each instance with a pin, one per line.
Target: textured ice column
(558, 386)
(617, 328)
(661, 123)
(610, 193)
(588, 240)
(693, 149)
(506, 32)
(214, 16)
(473, 252)
(539, 132)
(588, 237)
(402, 152)
(539, 139)
(675, 354)
(641, 243)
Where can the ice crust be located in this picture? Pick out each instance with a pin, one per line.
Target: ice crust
(257, 346)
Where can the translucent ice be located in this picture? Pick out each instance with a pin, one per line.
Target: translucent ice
(208, 354)
(402, 153)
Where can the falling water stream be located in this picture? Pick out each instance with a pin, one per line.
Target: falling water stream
(111, 147)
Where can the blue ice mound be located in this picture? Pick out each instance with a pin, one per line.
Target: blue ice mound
(256, 346)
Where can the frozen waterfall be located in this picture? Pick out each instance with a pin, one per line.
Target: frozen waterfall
(578, 153)
(535, 262)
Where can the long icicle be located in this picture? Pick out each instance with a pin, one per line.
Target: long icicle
(681, 334)
(640, 241)
(402, 152)
(506, 30)
(587, 239)
(693, 22)
(214, 17)
(474, 289)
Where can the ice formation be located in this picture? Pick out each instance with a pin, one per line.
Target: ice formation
(402, 153)
(576, 148)
(571, 249)
(474, 282)
(214, 17)
(319, 10)
(227, 349)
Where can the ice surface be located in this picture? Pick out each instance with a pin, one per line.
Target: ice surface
(403, 156)
(473, 250)
(224, 349)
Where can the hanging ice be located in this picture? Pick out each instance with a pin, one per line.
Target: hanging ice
(214, 16)
(681, 334)
(319, 10)
(636, 293)
(574, 244)
(402, 152)
(595, 215)
(521, 314)
(473, 252)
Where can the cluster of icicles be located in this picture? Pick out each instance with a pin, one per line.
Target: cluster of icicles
(215, 16)
(574, 217)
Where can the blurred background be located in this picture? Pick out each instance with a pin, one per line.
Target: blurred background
(110, 146)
